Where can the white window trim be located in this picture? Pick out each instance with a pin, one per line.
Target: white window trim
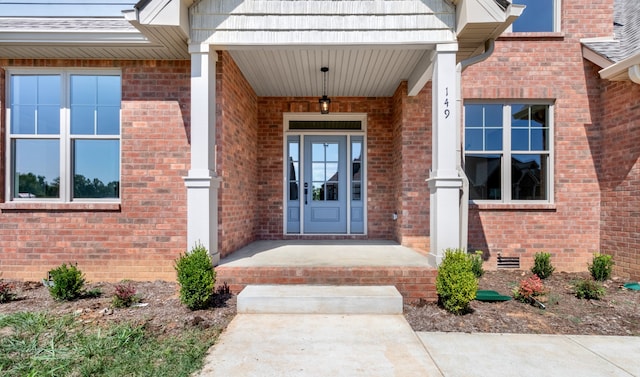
(557, 21)
(65, 138)
(505, 186)
(362, 117)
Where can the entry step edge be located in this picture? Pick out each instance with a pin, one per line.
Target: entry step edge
(319, 299)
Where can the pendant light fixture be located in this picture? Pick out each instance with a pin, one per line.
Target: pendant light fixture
(324, 101)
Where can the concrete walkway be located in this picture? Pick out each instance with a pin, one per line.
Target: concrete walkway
(273, 336)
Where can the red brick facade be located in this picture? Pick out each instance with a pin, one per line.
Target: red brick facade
(596, 169)
(548, 67)
(141, 237)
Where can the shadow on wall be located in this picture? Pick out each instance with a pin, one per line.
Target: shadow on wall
(476, 239)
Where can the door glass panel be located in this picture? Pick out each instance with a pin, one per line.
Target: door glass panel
(294, 170)
(324, 172)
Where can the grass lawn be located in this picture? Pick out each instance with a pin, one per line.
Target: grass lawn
(40, 344)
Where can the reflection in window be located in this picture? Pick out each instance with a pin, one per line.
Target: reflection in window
(520, 168)
(36, 168)
(538, 16)
(96, 172)
(294, 169)
(35, 104)
(356, 170)
(324, 166)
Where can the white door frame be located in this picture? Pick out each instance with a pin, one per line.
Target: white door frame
(288, 117)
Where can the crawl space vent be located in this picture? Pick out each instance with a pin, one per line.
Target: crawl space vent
(508, 262)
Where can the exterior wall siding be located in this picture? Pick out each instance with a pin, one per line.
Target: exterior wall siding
(140, 238)
(530, 67)
(620, 176)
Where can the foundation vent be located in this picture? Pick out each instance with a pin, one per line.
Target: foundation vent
(508, 262)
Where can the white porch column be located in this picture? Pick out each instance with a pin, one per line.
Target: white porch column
(444, 181)
(202, 182)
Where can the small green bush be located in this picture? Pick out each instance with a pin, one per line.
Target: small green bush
(601, 267)
(196, 277)
(456, 284)
(476, 263)
(67, 282)
(542, 265)
(589, 289)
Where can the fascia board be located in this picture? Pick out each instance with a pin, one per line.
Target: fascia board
(620, 69)
(72, 37)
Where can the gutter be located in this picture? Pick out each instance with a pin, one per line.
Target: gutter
(489, 46)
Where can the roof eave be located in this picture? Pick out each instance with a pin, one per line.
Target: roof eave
(623, 70)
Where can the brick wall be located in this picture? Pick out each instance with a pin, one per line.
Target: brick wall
(620, 176)
(412, 161)
(140, 238)
(380, 203)
(238, 157)
(548, 66)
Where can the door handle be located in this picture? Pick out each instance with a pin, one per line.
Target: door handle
(306, 192)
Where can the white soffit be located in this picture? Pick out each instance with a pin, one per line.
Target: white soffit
(353, 72)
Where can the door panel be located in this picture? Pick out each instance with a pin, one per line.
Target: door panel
(325, 184)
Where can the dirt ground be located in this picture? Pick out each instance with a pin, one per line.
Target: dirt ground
(618, 313)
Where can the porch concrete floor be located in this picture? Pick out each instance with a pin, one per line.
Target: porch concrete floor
(325, 253)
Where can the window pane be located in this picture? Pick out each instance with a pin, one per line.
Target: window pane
(49, 120)
(492, 115)
(109, 90)
(528, 177)
(493, 139)
(332, 151)
(96, 169)
(473, 139)
(294, 151)
(356, 191)
(35, 104)
(356, 151)
(23, 119)
(484, 174)
(293, 190)
(84, 90)
(540, 139)
(520, 139)
(82, 120)
(108, 121)
(36, 169)
(318, 191)
(332, 172)
(331, 191)
(537, 17)
(473, 116)
(355, 171)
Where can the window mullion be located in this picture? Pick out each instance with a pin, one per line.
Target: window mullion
(506, 153)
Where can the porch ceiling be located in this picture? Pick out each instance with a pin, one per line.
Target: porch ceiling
(361, 72)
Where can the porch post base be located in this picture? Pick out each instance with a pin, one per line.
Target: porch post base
(202, 212)
(445, 216)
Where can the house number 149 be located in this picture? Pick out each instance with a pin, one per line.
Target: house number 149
(447, 112)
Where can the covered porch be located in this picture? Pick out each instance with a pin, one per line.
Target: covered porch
(331, 262)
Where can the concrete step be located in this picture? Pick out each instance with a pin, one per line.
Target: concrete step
(319, 299)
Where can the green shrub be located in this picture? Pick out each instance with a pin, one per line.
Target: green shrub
(589, 289)
(66, 282)
(456, 284)
(476, 263)
(542, 265)
(601, 267)
(196, 277)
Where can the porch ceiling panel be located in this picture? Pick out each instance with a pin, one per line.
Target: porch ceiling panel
(352, 71)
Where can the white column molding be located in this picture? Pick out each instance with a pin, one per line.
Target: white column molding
(202, 182)
(444, 181)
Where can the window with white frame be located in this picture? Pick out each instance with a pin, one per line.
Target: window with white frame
(64, 135)
(508, 151)
(538, 16)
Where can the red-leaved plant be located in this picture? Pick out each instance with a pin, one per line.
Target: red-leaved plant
(6, 292)
(125, 295)
(528, 288)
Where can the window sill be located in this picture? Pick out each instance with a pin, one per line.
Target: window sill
(66, 207)
(532, 35)
(512, 206)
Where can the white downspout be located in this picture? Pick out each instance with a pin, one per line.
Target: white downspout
(464, 197)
